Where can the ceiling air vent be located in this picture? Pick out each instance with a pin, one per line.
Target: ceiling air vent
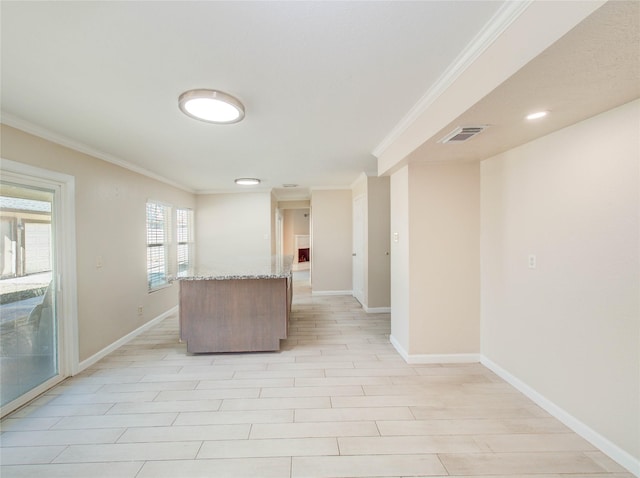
(462, 133)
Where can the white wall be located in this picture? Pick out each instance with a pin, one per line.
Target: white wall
(110, 224)
(274, 224)
(232, 225)
(570, 328)
(331, 245)
(399, 200)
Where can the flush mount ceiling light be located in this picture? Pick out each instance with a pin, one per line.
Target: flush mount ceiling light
(211, 106)
(247, 181)
(537, 115)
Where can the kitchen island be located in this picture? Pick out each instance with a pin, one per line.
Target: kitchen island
(239, 306)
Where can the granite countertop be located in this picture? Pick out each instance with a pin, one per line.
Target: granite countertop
(269, 267)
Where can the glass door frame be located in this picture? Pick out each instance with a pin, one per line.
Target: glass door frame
(64, 255)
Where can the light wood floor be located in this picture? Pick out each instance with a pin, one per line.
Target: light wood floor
(337, 401)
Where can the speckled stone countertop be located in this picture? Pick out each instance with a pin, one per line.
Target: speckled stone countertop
(268, 267)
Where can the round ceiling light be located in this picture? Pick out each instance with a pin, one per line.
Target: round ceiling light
(211, 106)
(247, 181)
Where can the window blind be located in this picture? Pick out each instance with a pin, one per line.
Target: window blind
(157, 238)
(184, 233)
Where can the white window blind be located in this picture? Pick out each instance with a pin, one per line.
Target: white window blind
(157, 244)
(184, 232)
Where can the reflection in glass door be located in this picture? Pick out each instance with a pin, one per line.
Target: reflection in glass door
(28, 325)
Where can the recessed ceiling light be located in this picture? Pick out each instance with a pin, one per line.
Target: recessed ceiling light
(537, 115)
(211, 106)
(247, 181)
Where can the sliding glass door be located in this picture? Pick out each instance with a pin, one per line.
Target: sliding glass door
(28, 320)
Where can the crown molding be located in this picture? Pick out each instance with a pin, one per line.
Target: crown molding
(362, 177)
(501, 20)
(36, 130)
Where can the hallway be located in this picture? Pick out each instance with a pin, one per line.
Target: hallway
(336, 401)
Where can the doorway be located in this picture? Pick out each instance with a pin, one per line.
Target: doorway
(36, 324)
(296, 238)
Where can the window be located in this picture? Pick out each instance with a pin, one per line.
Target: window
(184, 230)
(157, 245)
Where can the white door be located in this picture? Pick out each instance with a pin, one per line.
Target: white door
(279, 226)
(38, 328)
(358, 248)
(28, 328)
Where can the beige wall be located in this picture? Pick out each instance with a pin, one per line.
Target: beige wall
(435, 263)
(110, 223)
(570, 328)
(444, 258)
(331, 240)
(232, 225)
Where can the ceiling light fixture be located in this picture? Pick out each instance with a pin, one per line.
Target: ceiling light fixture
(247, 181)
(211, 106)
(537, 115)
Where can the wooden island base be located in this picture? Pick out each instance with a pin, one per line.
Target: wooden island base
(234, 315)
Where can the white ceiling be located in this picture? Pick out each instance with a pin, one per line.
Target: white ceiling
(323, 83)
(592, 68)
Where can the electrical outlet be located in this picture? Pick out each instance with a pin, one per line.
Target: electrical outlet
(140, 310)
(532, 261)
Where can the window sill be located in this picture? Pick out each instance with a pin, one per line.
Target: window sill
(160, 287)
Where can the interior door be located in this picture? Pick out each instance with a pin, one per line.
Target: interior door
(279, 227)
(358, 248)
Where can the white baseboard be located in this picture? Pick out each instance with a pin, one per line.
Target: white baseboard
(432, 358)
(399, 348)
(616, 453)
(606, 446)
(443, 358)
(376, 310)
(122, 341)
(331, 292)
